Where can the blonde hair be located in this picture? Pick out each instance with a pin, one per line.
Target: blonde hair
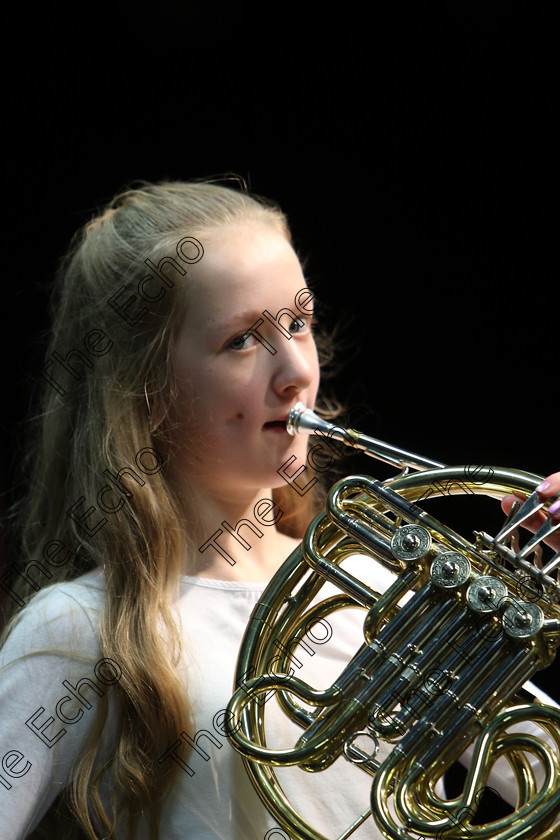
(105, 420)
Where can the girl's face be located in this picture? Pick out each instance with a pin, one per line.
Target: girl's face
(234, 392)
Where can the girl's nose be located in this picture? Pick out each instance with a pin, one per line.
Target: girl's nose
(296, 365)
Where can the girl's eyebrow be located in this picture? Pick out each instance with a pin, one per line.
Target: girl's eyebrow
(241, 318)
(255, 317)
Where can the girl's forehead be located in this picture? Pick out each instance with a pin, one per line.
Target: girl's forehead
(246, 269)
(244, 245)
(245, 259)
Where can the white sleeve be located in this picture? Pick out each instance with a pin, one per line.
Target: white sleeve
(47, 702)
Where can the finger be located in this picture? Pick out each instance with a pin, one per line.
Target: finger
(534, 522)
(548, 488)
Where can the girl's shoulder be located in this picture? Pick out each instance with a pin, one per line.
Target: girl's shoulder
(59, 616)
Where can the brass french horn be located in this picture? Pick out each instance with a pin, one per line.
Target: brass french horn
(489, 607)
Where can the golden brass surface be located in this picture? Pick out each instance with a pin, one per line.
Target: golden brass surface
(492, 603)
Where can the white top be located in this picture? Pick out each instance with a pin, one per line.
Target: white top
(39, 740)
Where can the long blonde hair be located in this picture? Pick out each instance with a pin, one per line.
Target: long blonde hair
(102, 435)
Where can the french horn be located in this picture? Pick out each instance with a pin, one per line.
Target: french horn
(489, 607)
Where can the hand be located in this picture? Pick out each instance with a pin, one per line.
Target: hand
(549, 488)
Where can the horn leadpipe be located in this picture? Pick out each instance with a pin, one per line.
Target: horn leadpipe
(302, 420)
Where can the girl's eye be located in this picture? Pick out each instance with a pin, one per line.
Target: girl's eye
(246, 340)
(297, 325)
(240, 341)
(301, 325)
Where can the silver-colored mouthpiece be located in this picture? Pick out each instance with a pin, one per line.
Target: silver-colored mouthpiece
(302, 421)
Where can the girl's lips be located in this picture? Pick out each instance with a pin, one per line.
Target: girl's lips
(275, 425)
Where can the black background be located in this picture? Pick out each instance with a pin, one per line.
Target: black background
(412, 147)
(412, 150)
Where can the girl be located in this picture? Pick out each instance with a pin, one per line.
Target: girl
(160, 502)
